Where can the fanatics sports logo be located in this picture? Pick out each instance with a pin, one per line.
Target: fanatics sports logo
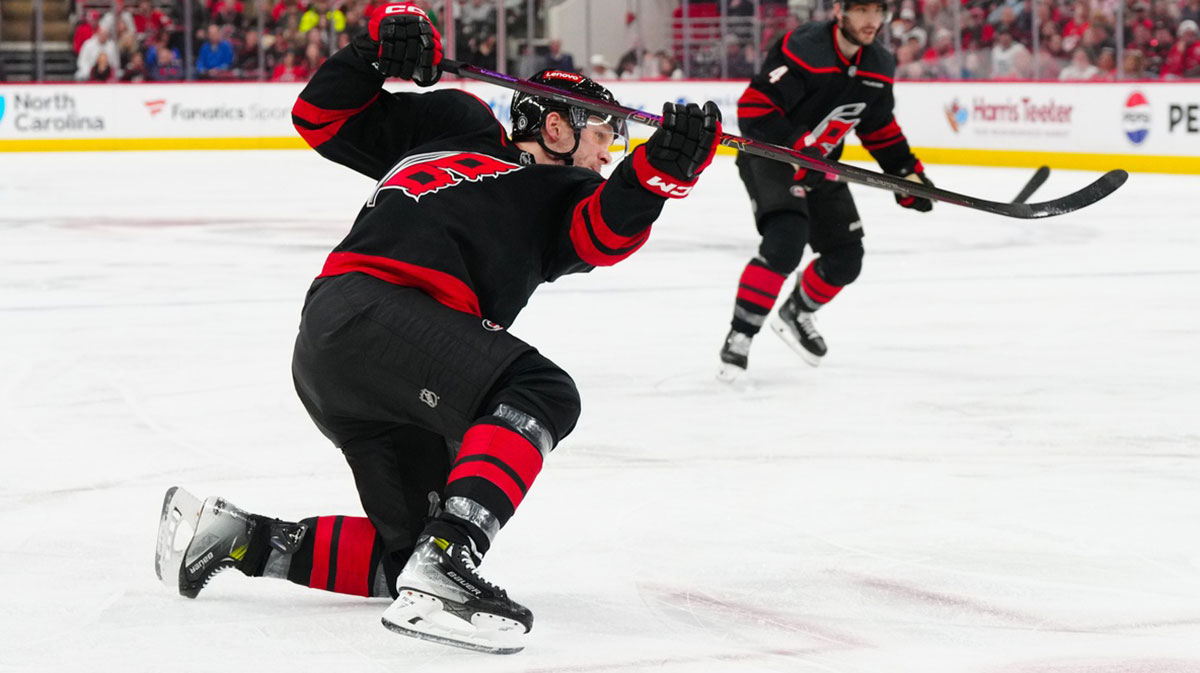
(423, 174)
(154, 107)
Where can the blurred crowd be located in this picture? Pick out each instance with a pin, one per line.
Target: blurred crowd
(1058, 39)
(138, 40)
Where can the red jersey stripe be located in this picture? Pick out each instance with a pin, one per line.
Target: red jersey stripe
(322, 541)
(762, 279)
(492, 474)
(355, 544)
(443, 287)
(506, 446)
(330, 121)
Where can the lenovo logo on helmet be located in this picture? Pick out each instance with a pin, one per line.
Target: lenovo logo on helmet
(561, 74)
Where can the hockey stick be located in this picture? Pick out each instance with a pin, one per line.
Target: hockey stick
(1099, 189)
(1038, 179)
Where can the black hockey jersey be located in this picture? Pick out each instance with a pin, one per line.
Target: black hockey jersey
(808, 94)
(459, 210)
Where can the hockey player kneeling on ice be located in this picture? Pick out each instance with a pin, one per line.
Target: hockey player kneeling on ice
(817, 83)
(403, 357)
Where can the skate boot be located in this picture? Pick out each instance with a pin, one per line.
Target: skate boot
(735, 356)
(197, 540)
(797, 329)
(443, 599)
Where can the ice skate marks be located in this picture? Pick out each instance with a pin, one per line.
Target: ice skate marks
(419, 615)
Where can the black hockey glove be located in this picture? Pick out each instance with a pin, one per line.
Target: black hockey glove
(402, 42)
(681, 148)
(916, 172)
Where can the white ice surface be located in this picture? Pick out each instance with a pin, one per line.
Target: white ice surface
(996, 469)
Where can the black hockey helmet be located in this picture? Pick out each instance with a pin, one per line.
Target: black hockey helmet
(529, 111)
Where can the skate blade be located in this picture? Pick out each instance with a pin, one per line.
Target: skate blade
(176, 528)
(422, 616)
(781, 330)
(728, 373)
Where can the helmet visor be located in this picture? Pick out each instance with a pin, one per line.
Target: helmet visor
(611, 131)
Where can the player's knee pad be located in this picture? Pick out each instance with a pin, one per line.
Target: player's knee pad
(537, 399)
(784, 235)
(841, 265)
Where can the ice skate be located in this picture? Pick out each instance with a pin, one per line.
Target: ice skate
(797, 329)
(196, 541)
(735, 356)
(444, 600)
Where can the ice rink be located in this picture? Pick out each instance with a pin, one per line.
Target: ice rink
(995, 470)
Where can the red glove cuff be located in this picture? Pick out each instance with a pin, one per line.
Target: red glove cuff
(656, 181)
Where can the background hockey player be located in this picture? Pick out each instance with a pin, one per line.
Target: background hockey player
(403, 358)
(818, 83)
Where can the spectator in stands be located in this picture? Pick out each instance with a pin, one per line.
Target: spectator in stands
(1190, 11)
(85, 30)
(528, 62)
(227, 13)
(976, 34)
(1074, 29)
(1007, 53)
(285, 8)
(120, 14)
(478, 18)
(1134, 65)
(288, 70)
(1048, 63)
(559, 59)
(1019, 30)
(135, 70)
(630, 64)
(313, 58)
(321, 10)
(90, 51)
(1184, 58)
(102, 70)
(1081, 67)
(216, 56)
(668, 68)
(741, 61)
(251, 57)
(599, 68)
(1106, 64)
(149, 21)
(127, 44)
(164, 62)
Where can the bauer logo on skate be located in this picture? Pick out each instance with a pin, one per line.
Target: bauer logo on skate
(424, 174)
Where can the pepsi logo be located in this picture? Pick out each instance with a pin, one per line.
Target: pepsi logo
(1135, 120)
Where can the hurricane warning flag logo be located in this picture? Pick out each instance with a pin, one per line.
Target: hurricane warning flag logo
(1135, 120)
(956, 116)
(423, 174)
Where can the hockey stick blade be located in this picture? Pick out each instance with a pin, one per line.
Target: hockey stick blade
(1071, 202)
(1035, 183)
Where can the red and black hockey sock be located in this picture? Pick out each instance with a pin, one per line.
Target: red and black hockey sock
(342, 554)
(757, 291)
(495, 467)
(812, 291)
